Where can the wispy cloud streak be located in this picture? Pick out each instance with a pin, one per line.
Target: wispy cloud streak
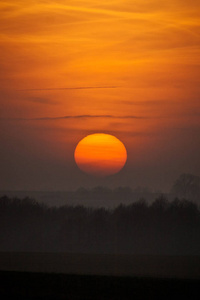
(72, 88)
(78, 117)
(92, 117)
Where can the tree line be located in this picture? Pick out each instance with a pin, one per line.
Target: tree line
(162, 227)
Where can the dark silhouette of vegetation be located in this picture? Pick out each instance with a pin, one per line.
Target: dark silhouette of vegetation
(187, 186)
(94, 197)
(162, 227)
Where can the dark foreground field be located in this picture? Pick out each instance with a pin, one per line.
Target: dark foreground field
(25, 285)
(94, 276)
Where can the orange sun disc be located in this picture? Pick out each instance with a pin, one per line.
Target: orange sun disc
(100, 154)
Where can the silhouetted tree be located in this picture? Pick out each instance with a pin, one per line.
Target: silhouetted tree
(160, 228)
(187, 186)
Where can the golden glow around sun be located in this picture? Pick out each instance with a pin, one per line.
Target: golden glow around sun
(100, 154)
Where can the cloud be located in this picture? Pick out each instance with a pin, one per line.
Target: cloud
(72, 88)
(41, 100)
(78, 117)
(144, 102)
(91, 116)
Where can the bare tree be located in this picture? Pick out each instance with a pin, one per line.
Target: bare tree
(187, 186)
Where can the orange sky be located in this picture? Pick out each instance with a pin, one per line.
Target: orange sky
(143, 56)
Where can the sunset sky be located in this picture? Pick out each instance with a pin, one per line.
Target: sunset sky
(69, 68)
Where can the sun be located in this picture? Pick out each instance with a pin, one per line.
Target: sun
(100, 154)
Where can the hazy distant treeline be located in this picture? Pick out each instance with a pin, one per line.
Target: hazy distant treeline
(159, 228)
(94, 197)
